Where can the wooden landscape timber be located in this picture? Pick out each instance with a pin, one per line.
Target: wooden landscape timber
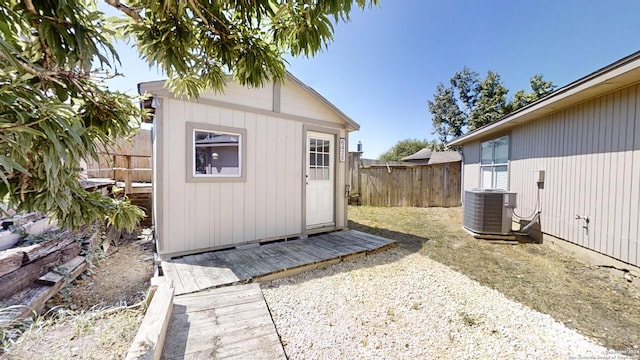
(149, 340)
(31, 299)
(34, 273)
(29, 272)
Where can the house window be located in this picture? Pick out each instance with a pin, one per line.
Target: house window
(216, 153)
(494, 165)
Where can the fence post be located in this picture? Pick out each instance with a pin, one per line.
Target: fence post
(127, 175)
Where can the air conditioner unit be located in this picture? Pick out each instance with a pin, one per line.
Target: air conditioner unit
(488, 211)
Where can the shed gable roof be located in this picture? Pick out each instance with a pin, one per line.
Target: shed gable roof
(619, 74)
(264, 104)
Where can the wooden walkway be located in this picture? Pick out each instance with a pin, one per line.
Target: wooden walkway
(224, 323)
(195, 273)
(214, 321)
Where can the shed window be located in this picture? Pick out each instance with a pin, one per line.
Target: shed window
(494, 164)
(216, 153)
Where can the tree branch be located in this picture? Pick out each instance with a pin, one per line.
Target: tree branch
(131, 12)
(48, 56)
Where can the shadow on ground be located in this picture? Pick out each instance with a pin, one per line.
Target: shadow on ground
(585, 298)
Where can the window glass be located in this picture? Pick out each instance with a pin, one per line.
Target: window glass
(501, 177)
(486, 149)
(501, 150)
(486, 177)
(319, 159)
(494, 169)
(216, 154)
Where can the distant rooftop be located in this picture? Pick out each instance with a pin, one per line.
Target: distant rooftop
(422, 154)
(427, 156)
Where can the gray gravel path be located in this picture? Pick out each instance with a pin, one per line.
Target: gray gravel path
(401, 305)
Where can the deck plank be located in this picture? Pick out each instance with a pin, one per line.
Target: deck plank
(189, 279)
(195, 273)
(370, 237)
(226, 322)
(170, 272)
(217, 268)
(365, 242)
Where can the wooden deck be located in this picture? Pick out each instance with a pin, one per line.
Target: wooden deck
(213, 321)
(195, 273)
(224, 323)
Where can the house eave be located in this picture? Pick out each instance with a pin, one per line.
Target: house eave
(622, 73)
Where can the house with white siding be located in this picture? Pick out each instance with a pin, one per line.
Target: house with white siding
(584, 139)
(245, 166)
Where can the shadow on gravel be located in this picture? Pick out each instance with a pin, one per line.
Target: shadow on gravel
(585, 298)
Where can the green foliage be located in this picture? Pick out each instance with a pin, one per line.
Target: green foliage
(471, 102)
(490, 103)
(539, 89)
(448, 120)
(466, 81)
(408, 147)
(196, 42)
(54, 58)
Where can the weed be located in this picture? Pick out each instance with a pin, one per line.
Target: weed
(468, 319)
(391, 314)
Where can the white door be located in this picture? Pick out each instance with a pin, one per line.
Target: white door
(319, 179)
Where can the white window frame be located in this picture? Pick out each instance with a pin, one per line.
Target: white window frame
(192, 176)
(494, 165)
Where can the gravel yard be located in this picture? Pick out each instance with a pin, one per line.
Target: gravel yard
(443, 294)
(399, 304)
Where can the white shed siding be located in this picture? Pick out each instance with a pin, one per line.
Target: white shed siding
(296, 101)
(219, 214)
(234, 93)
(591, 154)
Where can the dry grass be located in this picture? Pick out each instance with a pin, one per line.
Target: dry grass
(585, 298)
(64, 334)
(89, 319)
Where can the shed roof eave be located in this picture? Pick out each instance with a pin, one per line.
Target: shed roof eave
(621, 73)
(157, 88)
(350, 125)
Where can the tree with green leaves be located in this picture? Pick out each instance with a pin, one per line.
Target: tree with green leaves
(408, 147)
(490, 102)
(539, 89)
(448, 120)
(466, 82)
(471, 102)
(55, 109)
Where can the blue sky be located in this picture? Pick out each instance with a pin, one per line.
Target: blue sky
(386, 62)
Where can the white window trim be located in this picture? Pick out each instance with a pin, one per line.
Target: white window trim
(494, 165)
(192, 127)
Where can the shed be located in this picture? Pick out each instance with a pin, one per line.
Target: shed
(581, 143)
(245, 166)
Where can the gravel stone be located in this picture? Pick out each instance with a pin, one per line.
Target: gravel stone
(398, 304)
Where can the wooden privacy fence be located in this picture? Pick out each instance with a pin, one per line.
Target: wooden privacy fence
(409, 185)
(127, 160)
